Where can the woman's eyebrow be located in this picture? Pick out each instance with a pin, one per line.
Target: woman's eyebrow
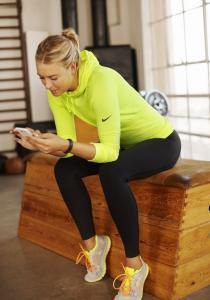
(53, 75)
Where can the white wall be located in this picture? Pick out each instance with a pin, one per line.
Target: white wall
(39, 105)
(119, 21)
(136, 32)
(39, 18)
(42, 15)
(84, 23)
(146, 51)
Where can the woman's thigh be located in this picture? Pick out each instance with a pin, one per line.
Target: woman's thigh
(149, 157)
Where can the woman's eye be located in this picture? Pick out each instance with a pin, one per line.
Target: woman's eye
(54, 78)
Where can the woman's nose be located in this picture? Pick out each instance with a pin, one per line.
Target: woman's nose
(48, 84)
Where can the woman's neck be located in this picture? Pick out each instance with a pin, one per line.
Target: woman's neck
(75, 82)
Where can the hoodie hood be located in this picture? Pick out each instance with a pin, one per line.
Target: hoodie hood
(88, 62)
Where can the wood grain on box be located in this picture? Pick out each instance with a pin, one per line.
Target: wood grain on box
(174, 215)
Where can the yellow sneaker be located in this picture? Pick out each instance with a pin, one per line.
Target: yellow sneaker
(95, 259)
(132, 284)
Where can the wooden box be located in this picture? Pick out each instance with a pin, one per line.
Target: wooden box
(174, 214)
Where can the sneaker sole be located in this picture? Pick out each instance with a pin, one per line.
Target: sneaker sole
(105, 255)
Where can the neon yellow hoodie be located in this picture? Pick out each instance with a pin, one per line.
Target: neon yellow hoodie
(105, 100)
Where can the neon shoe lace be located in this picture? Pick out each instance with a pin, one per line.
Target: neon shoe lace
(126, 286)
(84, 253)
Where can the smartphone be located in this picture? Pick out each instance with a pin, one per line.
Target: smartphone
(23, 131)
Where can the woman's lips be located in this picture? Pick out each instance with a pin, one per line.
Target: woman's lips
(54, 91)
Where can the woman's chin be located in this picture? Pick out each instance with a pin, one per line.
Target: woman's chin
(56, 93)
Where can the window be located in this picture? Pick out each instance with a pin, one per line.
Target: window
(179, 61)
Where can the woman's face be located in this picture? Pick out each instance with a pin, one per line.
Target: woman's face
(56, 78)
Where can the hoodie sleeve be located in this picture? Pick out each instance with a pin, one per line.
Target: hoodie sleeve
(106, 107)
(64, 119)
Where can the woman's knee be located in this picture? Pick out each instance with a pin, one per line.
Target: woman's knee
(73, 168)
(59, 168)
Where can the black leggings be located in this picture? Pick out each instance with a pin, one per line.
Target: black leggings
(142, 160)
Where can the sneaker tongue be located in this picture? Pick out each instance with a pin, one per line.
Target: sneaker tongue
(129, 271)
(126, 287)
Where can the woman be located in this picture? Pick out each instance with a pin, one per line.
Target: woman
(135, 142)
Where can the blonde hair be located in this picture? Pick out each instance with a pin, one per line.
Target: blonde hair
(62, 48)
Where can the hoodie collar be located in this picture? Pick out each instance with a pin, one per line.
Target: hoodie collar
(88, 62)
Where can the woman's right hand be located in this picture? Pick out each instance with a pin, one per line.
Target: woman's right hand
(22, 140)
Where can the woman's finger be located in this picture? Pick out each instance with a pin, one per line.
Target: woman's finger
(30, 129)
(34, 132)
(36, 141)
(12, 131)
(37, 132)
(17, 134)
(47, 135)
(33, 139)
(19, 141)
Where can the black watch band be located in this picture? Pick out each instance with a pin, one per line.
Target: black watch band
(70, 146)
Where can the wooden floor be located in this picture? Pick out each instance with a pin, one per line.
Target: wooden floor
(29, 272)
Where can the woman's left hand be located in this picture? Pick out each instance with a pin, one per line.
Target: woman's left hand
(48, 143)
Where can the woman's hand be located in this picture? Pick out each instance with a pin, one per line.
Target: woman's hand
(22, 140)
(48, 143)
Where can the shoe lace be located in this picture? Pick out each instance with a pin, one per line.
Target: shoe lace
(84, 253)
(125, 288)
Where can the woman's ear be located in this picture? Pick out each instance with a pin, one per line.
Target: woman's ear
(73, 68)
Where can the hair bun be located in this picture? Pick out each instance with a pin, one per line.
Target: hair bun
(70, 34)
